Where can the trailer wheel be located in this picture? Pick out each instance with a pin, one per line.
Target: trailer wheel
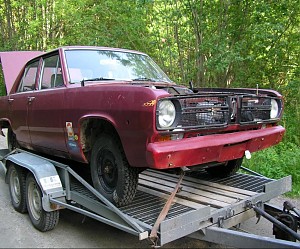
(230, 168)
(41, 220)
(12, 142)
(111, 174)
(17, 188)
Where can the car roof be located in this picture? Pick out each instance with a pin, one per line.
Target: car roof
(13, 61)
(97, 48)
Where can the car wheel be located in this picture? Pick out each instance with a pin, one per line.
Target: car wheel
(41, 220)
(111, 174)
(228, 169)
(12, 142)
(17, 188)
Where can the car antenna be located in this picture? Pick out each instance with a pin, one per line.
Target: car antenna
(256, 89)
(82, 82)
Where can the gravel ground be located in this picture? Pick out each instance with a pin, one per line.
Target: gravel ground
(73, 231)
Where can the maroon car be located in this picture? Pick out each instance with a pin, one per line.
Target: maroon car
(116, 111)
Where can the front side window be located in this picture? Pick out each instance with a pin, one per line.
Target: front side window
(29, 77)
(51, 73)
(112, 65)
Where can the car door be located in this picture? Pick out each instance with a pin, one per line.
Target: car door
(46, 109)
(19, 104)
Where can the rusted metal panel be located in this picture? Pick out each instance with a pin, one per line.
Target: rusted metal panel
(12, 63)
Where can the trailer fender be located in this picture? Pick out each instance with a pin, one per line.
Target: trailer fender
(45, 174)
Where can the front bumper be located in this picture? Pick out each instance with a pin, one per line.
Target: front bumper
(210, 148)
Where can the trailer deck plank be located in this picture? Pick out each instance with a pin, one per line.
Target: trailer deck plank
(254, 184)
(160, 194)
(209, 192)
(206, 180)
(184, 194)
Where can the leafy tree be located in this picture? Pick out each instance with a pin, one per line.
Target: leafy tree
(218, 43)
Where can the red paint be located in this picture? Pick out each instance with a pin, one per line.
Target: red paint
(211, 148)
(12, 63)
(40, 119)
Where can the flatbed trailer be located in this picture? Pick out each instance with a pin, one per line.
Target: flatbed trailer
(204, 208)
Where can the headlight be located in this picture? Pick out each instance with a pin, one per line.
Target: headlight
(274, 109)
(166, 113)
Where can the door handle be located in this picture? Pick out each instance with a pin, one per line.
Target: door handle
(10, 100)
(30, 99)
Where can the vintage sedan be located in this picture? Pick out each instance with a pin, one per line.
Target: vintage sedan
(116, 111)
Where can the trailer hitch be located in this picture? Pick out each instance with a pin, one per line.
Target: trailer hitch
(289, 234)
(288, 206)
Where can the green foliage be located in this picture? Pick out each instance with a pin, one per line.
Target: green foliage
(291, 117)
(213, 43)
(278, 161)
(44, 25)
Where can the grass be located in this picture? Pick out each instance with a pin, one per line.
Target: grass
(277, 162)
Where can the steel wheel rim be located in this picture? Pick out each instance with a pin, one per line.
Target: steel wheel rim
(107, 170)
(15, 186)
(34, 200)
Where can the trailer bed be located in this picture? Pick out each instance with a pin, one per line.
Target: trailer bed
(202, 202)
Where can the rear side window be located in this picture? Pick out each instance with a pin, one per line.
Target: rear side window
(29, 77)
(51, 75)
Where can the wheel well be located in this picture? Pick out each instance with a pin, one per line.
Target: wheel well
(4, 124)
(90, 130)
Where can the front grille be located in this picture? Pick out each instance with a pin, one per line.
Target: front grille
(255, 109)
(204, 111)
(213, 111)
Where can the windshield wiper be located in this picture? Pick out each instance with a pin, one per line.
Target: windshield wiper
(98, 79)
(144, 79)
(95, 79)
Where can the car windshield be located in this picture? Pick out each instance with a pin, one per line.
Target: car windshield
(102, 65)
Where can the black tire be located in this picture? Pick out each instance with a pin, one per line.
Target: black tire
(41, 219)
(111, 174)
(17, 188)
(228, 169)
(12, 142)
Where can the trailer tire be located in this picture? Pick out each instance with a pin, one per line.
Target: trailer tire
(17, 188)
(111, 173)
(41, 219)
(229, 169)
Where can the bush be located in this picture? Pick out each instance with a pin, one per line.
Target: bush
(277, 162)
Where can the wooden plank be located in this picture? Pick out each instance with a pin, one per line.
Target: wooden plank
(191, 190)
(185, 195)
(184, 202)
(200, 186)
(161, 174)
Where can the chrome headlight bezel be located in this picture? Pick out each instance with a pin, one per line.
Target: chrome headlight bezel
(167, 114)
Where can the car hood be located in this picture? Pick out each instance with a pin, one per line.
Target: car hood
(12, 62)
(170, 88)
